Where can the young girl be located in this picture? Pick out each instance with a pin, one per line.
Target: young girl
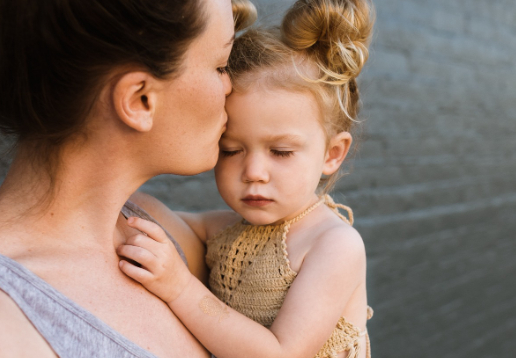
(287, 259)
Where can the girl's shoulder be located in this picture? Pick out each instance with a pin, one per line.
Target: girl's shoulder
(217, 221)
(340, 236)
(338, 242)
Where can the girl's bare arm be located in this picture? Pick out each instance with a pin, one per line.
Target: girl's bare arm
(331, 272)
(190, 230)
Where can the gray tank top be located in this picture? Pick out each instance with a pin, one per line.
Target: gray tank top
(70, 330)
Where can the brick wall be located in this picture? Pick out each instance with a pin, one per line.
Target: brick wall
(433, 180)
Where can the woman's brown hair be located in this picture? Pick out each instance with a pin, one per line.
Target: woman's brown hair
(55, 56)
(56, 53)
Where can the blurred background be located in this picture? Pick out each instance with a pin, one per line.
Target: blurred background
(433, 180)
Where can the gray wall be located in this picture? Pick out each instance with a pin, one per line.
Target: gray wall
(432, 183)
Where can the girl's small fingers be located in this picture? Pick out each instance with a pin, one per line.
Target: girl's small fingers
(145, 242)
(136, 273)
(151, 229)
(138, 254)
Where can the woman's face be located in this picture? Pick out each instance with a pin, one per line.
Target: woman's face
(190, 117)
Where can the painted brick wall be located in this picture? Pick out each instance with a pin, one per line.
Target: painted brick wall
(433, 182)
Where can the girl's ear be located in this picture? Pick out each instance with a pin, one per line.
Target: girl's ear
(134, 99)
(337, 151)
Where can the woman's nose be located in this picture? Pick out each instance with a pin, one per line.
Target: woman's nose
(255, 169)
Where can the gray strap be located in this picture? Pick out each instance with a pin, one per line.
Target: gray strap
(69, 329)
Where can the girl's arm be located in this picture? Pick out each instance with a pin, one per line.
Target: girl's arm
(331, 272)
(209, 223)
(190, 230)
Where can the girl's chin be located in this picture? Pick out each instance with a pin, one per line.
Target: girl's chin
(261, 221)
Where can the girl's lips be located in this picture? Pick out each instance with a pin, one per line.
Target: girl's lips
(256, 200)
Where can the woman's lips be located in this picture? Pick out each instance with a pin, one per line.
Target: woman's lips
(256, 200)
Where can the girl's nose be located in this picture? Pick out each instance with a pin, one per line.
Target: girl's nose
(255, 169)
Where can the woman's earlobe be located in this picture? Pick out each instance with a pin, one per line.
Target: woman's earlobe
(337, 151)
(134, 100)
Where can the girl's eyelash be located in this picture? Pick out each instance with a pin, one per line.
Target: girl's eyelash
(278, 153)
(282, 153)
(223, 70)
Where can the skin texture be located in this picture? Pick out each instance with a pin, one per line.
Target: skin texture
(327, 254)
(136, 130)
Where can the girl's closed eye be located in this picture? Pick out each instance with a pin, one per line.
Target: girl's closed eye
(282, 153)
(229, 153)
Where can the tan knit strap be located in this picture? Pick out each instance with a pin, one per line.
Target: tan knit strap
(304, 213)
(370, 312)
(335, 207)
(368, 346)
(286, 228)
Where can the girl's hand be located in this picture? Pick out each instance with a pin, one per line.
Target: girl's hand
(162, 271)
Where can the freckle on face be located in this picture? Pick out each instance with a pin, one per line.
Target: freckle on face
(194, 104)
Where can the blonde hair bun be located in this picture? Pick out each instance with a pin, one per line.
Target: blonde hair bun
(335, 32)
(244, 14)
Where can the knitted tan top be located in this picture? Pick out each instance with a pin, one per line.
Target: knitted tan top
(250, 272)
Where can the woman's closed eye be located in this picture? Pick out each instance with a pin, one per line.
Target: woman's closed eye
(223, 70)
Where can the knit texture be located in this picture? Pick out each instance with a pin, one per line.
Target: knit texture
(250, 272)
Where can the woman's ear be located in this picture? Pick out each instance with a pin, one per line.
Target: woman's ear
(337, 151)
(134, 100)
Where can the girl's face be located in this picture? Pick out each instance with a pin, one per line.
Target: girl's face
(191, 114)
(272, 154)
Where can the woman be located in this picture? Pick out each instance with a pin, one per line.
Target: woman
(100, 96)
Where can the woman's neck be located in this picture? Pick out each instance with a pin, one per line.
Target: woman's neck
(82, 209)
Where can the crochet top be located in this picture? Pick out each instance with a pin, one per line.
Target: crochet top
(250, 272)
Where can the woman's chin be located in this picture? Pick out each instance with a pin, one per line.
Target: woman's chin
(201, 168)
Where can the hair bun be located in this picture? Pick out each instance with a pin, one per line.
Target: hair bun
(244, 14)
(336, 32)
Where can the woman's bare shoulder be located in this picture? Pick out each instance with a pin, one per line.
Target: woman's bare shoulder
(18, 337)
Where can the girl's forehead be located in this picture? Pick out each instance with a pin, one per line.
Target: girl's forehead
(266, 96)
(272, 114)
(296, 73)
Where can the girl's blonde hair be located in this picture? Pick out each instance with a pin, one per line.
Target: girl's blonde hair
(244, 14)
(321, 47)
